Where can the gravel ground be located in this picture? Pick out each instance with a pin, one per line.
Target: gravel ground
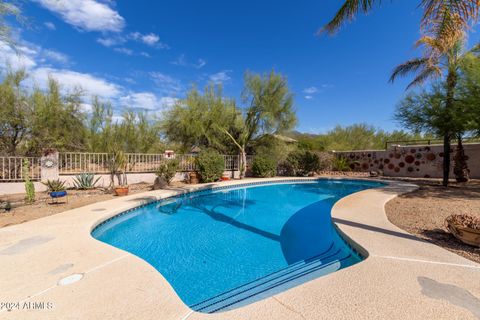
(423, 213)
(42, 207)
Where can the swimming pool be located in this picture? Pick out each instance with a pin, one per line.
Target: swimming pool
(227, 247)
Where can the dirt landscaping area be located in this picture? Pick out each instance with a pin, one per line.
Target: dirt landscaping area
(423, 213)
(43, 207)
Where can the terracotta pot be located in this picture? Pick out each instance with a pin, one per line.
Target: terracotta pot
(464, 234)
(194, 177)
(121, 191)
(225, 178)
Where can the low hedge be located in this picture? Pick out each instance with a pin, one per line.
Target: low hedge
(264, 167)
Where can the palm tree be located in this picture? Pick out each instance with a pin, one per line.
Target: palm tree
(443, 56)
(433, 10)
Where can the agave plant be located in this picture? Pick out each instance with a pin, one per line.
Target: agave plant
(55, 185)
(85, 181)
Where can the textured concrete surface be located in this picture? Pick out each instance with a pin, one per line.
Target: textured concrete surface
(402, 278)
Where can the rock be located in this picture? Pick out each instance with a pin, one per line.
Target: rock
(159, 183)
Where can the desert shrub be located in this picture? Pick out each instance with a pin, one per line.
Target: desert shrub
(85, 181)
(340, 163)
(326, 160)
(264, 167)
(168, 169)
(210, 165)
(301, 163)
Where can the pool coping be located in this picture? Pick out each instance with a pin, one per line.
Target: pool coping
(36, 255)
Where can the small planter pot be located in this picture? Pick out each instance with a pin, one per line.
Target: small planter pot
(121, 191)
(466, 235)
(58, 194)
(225, 178)
(55, 195)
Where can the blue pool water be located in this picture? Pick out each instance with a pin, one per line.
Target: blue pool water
(220, 249)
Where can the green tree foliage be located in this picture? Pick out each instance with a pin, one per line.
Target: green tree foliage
(15, 113)
(33, 120)
(213, 121)
(354, 137)
(301, 163)
(194, 121)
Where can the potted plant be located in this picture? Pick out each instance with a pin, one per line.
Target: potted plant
(56, 189)
(465, 228)
(118, 165)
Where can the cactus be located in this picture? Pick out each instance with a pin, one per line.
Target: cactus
(29, 187)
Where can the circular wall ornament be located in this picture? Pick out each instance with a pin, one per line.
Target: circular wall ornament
(48, 163)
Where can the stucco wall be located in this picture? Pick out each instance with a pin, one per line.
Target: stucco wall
(411, 161)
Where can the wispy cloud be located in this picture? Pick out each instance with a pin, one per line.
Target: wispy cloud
(55, 56)
(50, 25)
(166, 84)
(123, 50)
(88, 15)
(111, 41)
(310, 92)
(181, 60)
(220, 77)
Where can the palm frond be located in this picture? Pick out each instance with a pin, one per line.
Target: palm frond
(411, 66)
(347, 12)
(428, 73)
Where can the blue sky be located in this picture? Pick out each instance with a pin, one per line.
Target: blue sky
(146, 54)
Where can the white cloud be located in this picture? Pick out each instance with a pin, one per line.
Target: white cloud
(89, 15)
(166, 83)
(23, 59)
(220, 77)
(50, 26)
(70, 80)
(310, 90)
(111, 41)
(56, 56)
(150, 39)
(147, 100)
(308, 97)
(126, 51)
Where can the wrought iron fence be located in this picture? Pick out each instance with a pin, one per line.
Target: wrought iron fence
(11, 168)
(76, 162)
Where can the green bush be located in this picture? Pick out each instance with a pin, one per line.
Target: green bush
(85, 181)
(168, 169)
(340, 163)
(210, 165)
(301, 163)
(264, 167)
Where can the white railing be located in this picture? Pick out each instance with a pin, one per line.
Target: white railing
(77, 162)
(11, 168)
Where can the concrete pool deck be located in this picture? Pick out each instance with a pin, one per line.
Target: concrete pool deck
(402, 278)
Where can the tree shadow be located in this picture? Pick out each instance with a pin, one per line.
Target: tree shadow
(378, 229)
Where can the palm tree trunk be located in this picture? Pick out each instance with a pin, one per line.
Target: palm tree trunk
(451, 84)
(460, 168)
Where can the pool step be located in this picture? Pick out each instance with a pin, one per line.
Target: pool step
(276, 281)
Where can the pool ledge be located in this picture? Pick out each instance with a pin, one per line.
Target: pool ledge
(402, 278)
